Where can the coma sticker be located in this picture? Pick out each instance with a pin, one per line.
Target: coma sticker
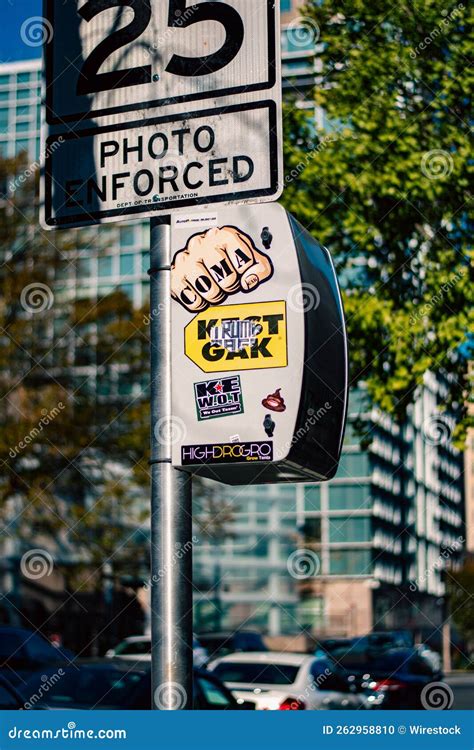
(218, 398)
(238, 337)
(216, 264)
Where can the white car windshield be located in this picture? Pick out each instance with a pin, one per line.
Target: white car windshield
(257, 673)
(134, 648)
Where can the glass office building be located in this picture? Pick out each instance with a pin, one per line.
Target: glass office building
(375, 536)
(374, 530)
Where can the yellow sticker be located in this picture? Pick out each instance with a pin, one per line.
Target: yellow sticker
(238, 337)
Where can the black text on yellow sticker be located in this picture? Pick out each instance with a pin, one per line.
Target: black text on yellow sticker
(238, 337)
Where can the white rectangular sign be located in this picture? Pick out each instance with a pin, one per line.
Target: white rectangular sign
(156, 105)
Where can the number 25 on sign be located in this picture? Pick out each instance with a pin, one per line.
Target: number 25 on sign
(146, 53)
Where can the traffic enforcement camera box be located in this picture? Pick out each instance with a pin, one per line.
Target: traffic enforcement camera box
(259, 361)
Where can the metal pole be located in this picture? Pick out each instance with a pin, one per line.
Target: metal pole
(171, 519)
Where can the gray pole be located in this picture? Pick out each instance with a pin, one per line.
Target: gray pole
(171, 520)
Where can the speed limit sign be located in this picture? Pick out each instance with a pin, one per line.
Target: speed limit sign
(158, 105)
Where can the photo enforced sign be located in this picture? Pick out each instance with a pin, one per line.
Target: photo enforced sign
(161, 165)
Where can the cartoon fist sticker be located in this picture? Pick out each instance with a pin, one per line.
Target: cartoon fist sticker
(213, 265)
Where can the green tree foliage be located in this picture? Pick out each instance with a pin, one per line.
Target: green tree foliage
(386, 185)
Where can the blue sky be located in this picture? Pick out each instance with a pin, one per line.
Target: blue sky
(12, 15)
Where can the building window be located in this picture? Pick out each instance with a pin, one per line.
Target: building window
(145, 262)
(350, 562)
(348, 497)
(298, 39)
(312, 498)
(311, 613)
(353, 465)
(84, 268)
(260, 549)
(128, 290)
(127, 265)
(103, 386)
(22, 145)
(349, 529)
(127, 236)
(105, 266)
(125, 385)
(351, 437)
(312, 531)
(263, 505)
(358, 401)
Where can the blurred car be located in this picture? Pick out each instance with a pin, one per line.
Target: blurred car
(432, 656)
(138, 647)
(433, 638)
(326, 646)
(23, 652)
(398, 674)
(110, 685)
(386, 639)
(230, 642)
(200, 655)
(376, 641)
(288, 682)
